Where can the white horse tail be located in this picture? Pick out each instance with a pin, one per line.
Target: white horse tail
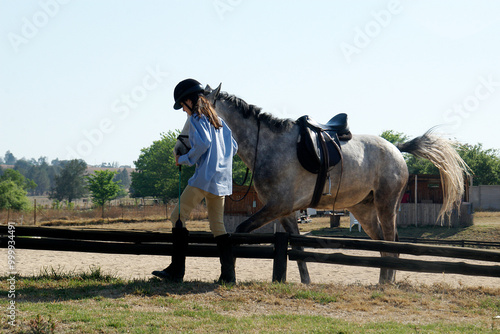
(452, 168)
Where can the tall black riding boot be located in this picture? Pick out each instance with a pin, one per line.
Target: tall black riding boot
(175, 271)
(227, 259)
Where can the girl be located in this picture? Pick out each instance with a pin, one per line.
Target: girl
(212, 150)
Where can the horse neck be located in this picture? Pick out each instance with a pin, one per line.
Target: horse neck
(244, 130)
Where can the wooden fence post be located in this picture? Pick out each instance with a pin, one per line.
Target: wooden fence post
(280, 257)
(416, 200)
(34, 218)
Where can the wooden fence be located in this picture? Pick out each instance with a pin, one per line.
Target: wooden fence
(280, 247)
(426, 214)
(45, 216)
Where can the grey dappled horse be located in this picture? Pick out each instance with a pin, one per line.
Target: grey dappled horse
(372, 181)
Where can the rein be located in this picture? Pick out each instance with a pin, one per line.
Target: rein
(254, 165)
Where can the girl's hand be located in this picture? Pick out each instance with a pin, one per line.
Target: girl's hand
(177, 160)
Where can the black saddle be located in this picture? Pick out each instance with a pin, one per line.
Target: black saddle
(318, 147)
(336, 126)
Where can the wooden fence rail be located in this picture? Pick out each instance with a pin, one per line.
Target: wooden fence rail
(396, 247)
(448, 242)
(259, 246)
(398, 264)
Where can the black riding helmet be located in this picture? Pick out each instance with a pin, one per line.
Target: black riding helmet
(184, 89)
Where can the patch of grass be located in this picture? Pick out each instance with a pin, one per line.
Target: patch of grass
(312, 293)
(489, 303)
(39, 325)
(316, 296)
(377, 295)
(107, 304)
(57, 274)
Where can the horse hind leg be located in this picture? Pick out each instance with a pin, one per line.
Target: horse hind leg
(289, 223)
(367, 215)
(386, 206)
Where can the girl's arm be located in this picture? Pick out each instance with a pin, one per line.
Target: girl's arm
(199, 138)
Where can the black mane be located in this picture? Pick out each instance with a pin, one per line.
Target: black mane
(248, 110)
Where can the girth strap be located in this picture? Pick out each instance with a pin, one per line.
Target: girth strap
(321, 179)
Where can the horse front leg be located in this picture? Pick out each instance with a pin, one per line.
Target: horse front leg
(269, 213)
(289, 223)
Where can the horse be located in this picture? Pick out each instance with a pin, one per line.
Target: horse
(369, 182)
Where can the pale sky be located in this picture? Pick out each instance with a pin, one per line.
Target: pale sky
(94, 79)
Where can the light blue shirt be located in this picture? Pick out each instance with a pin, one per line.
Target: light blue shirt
(212, 151)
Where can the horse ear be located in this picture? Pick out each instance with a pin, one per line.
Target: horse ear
(207, 90)
(217, 90)
(213, 94)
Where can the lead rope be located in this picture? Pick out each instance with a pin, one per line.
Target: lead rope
(178, 223)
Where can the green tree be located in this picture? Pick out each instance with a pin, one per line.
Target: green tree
(394, 137)
(23, 166)
(12, 196)
(484, 163)
(415, 165)
(124, 177)
(239, 171)
(40, 174)
(156, 174)
(13, 190)
(18, 178)
(102, 187)
(70, 182)
(10, 159)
